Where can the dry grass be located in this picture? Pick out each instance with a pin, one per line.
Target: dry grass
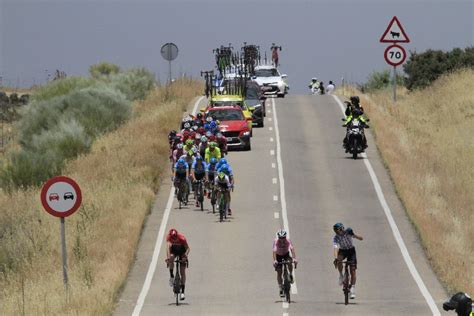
(427, 142)
(119, 179)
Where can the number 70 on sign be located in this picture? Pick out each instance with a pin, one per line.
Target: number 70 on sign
(395, 55)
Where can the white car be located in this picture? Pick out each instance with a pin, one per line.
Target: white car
(271, 81)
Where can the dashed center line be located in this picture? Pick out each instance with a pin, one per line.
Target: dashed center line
(275, 198)
(269, 119)
(286, 305)
(270, 128)
(273, 165)
(272, 152)
(274, 180)
(271, 139)
(277, 215)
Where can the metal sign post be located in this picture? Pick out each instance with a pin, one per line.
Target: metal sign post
(169, 52)
(61, 197)
(394, 84)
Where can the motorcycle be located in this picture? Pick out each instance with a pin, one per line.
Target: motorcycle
(355, 142)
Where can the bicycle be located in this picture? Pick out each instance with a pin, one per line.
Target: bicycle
(177, 278)
(223, 204)
(346, 286)
(200, 193)
(182, 193)
(286, 286)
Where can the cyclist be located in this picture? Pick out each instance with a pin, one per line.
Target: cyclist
(211, 174)
(225, 168)
(199, 171)
(178, 152)
(281, 251)
(181, 172)
(203, 145)
(188, 145)
(222, 143)
(343, 248)
(199, 121)
(461, 303)
(212, 152)
(177, 247)
(222, 181)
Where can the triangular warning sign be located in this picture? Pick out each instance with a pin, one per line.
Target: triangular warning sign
(394, 33)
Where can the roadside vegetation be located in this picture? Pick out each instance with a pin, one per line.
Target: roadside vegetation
(117, 151)
(426, 142)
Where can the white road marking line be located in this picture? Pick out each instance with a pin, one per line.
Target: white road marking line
(396, 232)
(269, 111)
(271, 139)
(273, 165)
(277, 215)
(158, 243)
(272, 152)
(285, 314)
(294, 289)
(269, 119)
(284, 212)
(274, 180)
(275, 198)
(286, 305)
(270, 128)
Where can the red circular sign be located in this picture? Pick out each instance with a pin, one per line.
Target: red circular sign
(61, 196)
(395, 55)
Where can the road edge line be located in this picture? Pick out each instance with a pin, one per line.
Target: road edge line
(396, 232)
(159, 241)
(284, 212)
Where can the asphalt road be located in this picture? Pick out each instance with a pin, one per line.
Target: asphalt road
(230, 270)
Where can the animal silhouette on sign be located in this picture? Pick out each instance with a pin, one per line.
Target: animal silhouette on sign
(395, 34)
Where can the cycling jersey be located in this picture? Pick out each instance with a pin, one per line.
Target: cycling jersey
(179, 245)
(216, 153)
(181, 170)
(282, 246)
(343, 241)
(223, 183)
(200, 169)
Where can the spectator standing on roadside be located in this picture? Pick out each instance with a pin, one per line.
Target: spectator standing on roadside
(330, 87)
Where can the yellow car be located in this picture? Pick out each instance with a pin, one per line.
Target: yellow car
(231, 100)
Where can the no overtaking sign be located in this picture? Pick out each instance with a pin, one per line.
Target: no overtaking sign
(61, 196)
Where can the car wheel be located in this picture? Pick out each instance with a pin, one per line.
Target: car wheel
(261, 124)
(248, 147)
(282, 95)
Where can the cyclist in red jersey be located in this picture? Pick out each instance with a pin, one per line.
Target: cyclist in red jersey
(177, 247)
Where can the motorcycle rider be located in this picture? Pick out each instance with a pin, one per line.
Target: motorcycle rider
(354, 112)
(330, 87)
(314, 85)
(461, 303)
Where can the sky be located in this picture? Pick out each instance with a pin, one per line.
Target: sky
(324, 39)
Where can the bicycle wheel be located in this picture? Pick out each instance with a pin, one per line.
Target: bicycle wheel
(221, 207)
(180, 195)
(177, 287)
(213, 200)
(346, 289)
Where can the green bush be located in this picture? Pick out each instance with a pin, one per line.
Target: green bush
(381, 80)
(103, 69)
(61, 87)
(424, 68)
(135, 83)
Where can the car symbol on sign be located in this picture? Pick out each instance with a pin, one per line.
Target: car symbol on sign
(53, 196)
(68, 196)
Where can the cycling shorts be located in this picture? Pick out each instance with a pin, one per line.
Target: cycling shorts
(285, 257)
(180, 175)
(199, 176)
(178, 250)
(350, 254)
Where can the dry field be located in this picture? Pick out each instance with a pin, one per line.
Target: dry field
(119, 179)
(427, 143)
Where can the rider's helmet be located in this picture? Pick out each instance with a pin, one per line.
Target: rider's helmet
(172, 135)
(223, 161)
(172, 234)
(201, 130)
(221, 175)
(197, 136)
(281, 234)
(199, 158)
(181, 161)
(194, 150)
(187, 125)
(203, 139)
(314, 79)
(460, 302)
(195, 127)
(212, 145)
(199, 115)
(337, 227)
(207, 126)
(355, 99)
(208, 134)
(179, 146)
(189, 142)
(213, 161)
(219, 135)
(209, 119)
(224, 168)
(213, 125)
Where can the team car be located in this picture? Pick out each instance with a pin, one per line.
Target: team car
(270, 79)
(255, 101)
(233, 125)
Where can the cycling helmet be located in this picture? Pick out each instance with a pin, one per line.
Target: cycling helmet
(337, 226)
(223, 161)
(179, 146)
(209, 119)
(212, 145)
(187, 125)
(207, 126)
(208, 134)
(181, 161)
(314, 79)
(195, 127)
(173, 234)
(219, 135)
(172, 134)
(198, 158)
(198, 136)
(213, 161)
(194, 150)
(213, 124)
(203, 139)
(281, 234)
(355, 99)
(189, 142)
(221, 175)
(199, 115)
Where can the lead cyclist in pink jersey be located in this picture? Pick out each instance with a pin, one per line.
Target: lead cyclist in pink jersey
(281, 251)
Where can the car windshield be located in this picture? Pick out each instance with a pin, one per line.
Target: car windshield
(227, 115)
(226, 103)
(252, 93)
(266, 72)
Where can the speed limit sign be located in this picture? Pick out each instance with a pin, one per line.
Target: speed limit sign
(395, 55)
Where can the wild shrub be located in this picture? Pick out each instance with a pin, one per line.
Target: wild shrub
(424, 68)
(103, 69)
(135, 83)
(381, 80)
(61, 87)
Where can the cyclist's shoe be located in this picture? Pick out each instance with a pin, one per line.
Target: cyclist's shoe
(181, 296)
(353, 294)
(291, 278)
(171, 282)
(197, 204)
(281, 292)
(341, 279)
(229, 212)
